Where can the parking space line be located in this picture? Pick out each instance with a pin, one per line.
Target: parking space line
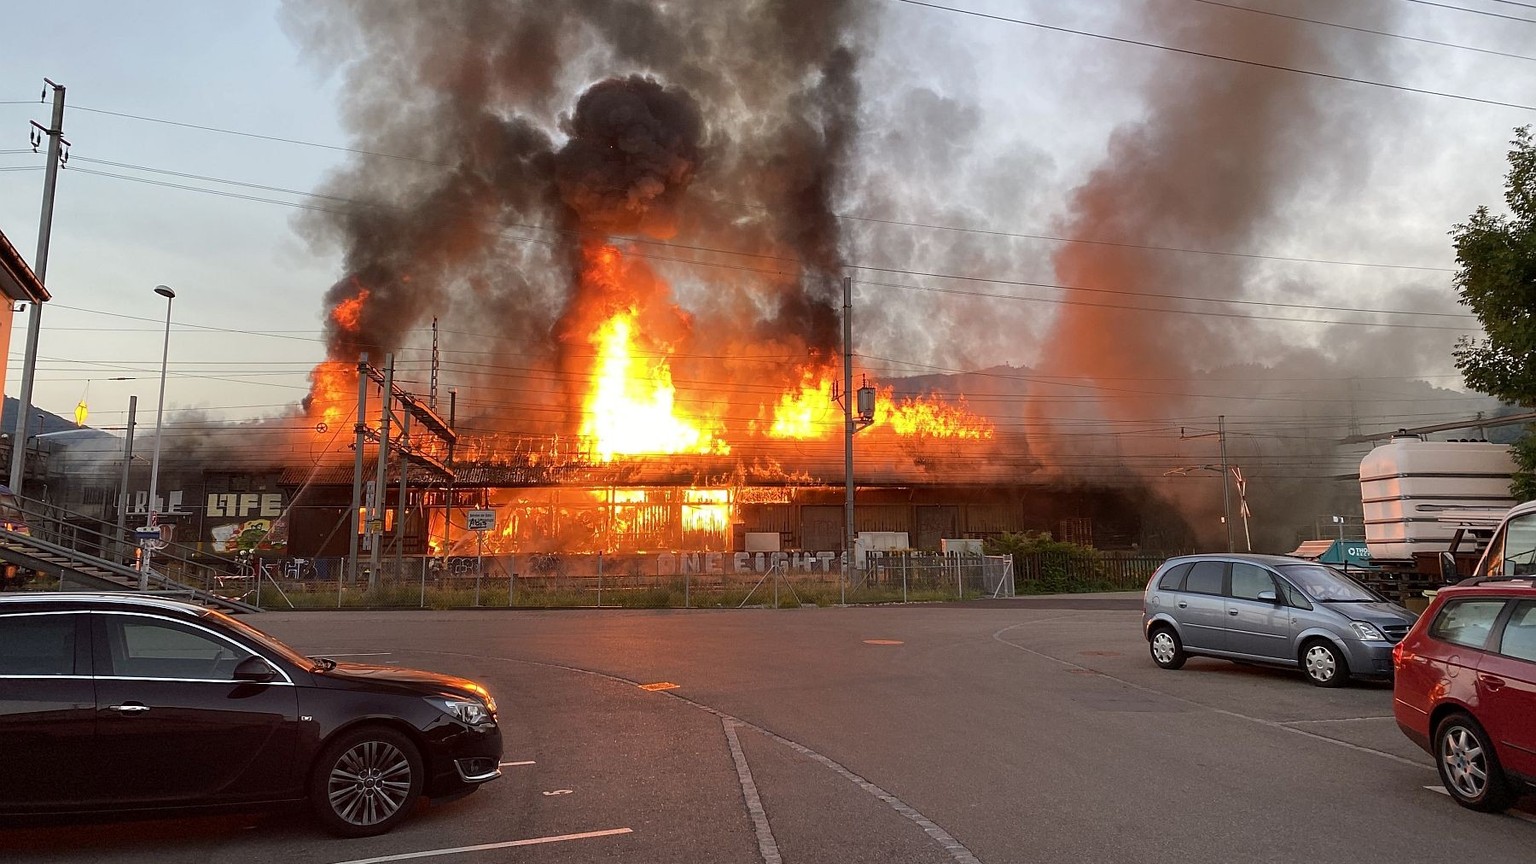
(765, 842)
(1273, 724)
(507, 764)
(1338, 720)
(430, 853)
(956, 850)
(1517, 814)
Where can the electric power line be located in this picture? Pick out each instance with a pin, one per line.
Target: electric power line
(1210, 56)
(1365, 30)
(1475, 11)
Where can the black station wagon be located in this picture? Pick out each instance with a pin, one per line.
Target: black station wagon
(121, 702)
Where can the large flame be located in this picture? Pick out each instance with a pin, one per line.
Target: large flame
(631, 406)
(333, 391)
(931, 417)
(808, 412)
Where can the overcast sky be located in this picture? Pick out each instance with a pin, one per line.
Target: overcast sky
(1038, 106)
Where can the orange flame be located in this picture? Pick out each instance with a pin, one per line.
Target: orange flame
(931, 417)
(808, 412)
(349, 311)
(631, 406)
(332, 396)
(706, 509)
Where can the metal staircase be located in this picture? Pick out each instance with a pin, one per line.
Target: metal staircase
(72, 548)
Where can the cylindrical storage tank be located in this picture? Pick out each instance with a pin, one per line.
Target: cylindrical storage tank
(1411, 491)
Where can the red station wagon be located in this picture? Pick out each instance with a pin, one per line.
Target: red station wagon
(1465, 688)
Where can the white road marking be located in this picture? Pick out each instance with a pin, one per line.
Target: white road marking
(505, 764)
(1518, 814)
(1273, 724)
(430, 853)
(765, 841)
(1339, 720)
(957, 850)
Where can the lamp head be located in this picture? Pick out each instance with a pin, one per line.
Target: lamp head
(165, 291)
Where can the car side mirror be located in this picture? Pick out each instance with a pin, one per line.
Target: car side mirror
(254, 669)
(1448, 573)
(1269, 595)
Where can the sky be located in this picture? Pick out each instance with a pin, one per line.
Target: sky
(965, 121)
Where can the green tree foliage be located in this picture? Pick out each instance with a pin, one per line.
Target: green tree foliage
(1497, 281)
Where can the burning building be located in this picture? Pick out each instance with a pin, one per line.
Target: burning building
(621, 218)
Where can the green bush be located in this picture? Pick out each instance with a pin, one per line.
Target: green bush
(1043, 565)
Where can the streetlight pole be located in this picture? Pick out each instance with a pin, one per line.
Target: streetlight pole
(154, 465)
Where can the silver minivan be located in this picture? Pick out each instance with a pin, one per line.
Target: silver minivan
(1271, 609)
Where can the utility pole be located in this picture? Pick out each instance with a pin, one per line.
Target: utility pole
(122, 494)
(361, 428)
(405, 469)
(56, 143)
(848, 430)
(1226, 493)
(383, 492)
(453, 406)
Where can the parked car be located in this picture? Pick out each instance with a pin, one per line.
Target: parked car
(114, 702)
(1271, 609)
(1466, 689)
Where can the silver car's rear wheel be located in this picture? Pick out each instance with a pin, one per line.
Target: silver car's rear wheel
(1323, 664)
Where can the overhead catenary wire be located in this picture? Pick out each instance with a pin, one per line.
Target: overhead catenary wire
(1368, 30)
(1222, 57)
(1475, 11)
(695, 248)
(918, 273)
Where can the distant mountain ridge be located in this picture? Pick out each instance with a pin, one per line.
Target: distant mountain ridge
(51, 422)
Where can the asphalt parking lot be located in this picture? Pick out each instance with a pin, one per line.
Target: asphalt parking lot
(1017, 732)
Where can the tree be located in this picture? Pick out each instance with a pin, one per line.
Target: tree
(1497, 281)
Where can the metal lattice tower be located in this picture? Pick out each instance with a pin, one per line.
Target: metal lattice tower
(432, 393)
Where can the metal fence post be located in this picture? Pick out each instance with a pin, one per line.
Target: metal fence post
(511, 578)
(687, 579)
(423, 603)
(775, 586)
(599, 580)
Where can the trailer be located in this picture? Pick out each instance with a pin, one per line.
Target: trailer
(1430, 508)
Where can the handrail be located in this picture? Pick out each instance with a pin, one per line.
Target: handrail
(80, 560)
(183, 563)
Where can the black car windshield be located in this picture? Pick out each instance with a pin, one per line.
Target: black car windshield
(1327, 585)
(262, 639)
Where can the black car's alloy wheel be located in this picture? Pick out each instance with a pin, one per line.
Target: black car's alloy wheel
(366, 782)
(1468, 766)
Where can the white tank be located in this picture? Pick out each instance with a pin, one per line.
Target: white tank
(1413, 490)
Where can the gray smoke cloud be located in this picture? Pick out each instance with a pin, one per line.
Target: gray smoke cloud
(524, 146)
(760, 159)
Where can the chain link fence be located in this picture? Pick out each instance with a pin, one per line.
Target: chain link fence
(668, 580)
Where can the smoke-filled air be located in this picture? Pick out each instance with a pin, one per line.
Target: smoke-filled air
(631, 222)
